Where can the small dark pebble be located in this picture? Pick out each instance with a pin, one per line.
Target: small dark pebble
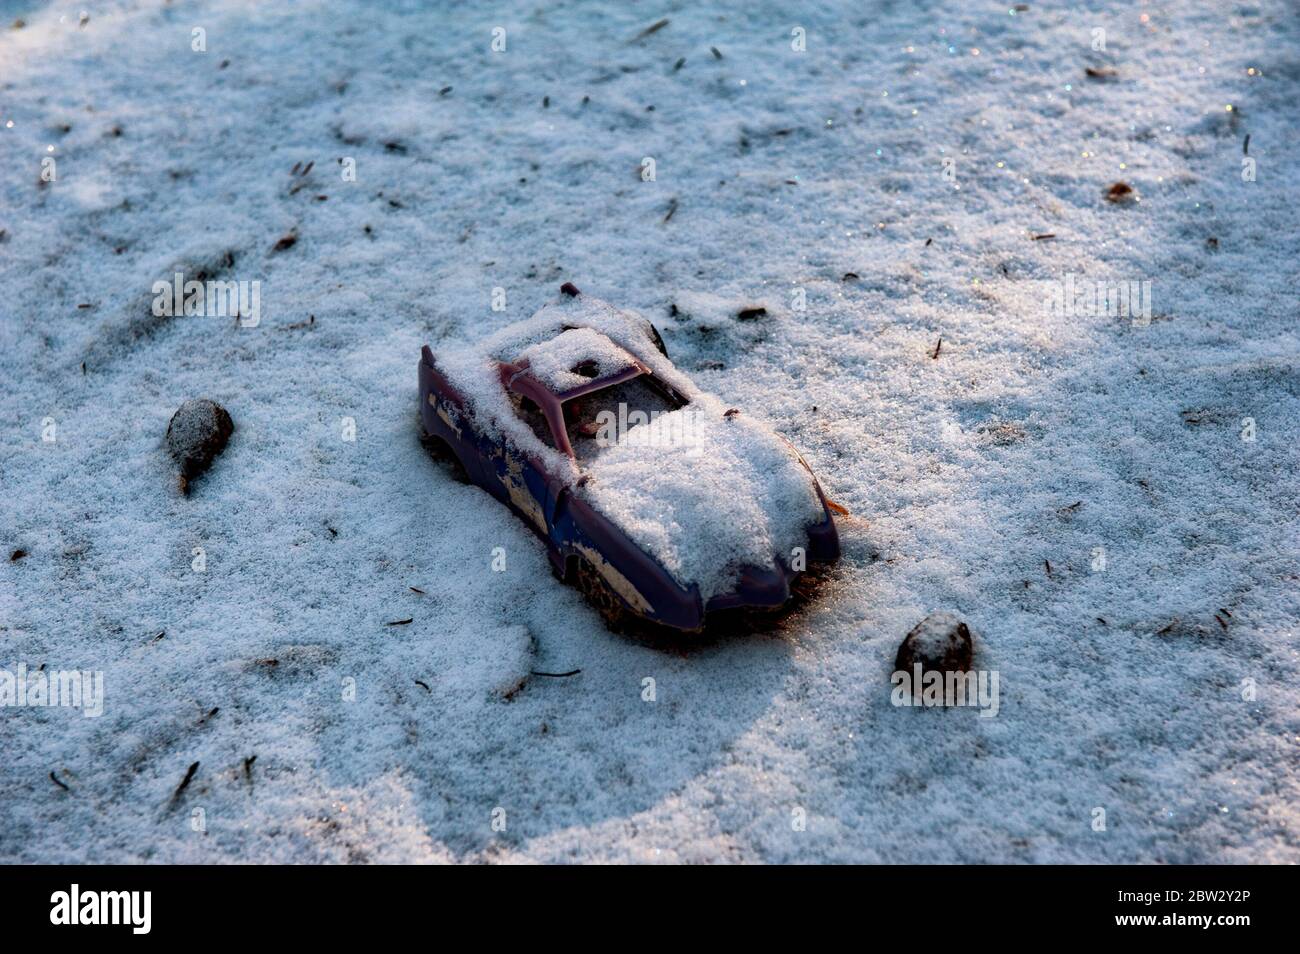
(750, 314)
(1119, 192)
(196, 434)
(17, 555)
(940, 642)
(570, 289)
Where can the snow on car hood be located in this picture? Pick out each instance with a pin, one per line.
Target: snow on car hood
(706, 495)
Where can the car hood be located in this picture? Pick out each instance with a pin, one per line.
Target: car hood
(707, 493)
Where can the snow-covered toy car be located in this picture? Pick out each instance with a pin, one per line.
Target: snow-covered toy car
(655, 498)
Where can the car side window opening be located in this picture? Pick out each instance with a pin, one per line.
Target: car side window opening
(599, 419)
(527, 411)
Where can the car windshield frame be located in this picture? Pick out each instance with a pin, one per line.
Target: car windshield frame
(516, 378)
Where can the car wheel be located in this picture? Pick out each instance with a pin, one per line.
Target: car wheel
(600, 595)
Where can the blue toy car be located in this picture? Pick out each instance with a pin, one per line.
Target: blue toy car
(656, 499)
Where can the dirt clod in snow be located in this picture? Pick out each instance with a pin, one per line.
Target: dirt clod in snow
(1120, 192)
(940, 642)
(196, 434)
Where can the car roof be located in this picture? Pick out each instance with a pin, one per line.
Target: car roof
(577, 361)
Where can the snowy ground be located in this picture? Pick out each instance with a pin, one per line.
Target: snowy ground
(1032, 439)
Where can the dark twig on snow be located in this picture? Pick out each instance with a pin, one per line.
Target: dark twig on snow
(937, 346)
(55, 779)
(556, 675)
(185, 782)
(401, 622)
(652, 28)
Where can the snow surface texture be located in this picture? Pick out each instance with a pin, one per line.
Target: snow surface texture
(989, 481)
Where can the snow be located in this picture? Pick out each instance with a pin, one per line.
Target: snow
(552, 362)
(1077, 488)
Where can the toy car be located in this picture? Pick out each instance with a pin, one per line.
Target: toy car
(652, 496)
